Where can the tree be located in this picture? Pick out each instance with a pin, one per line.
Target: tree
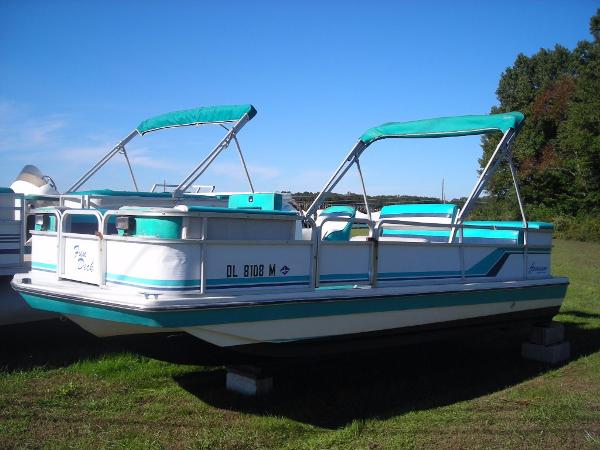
(557, 153)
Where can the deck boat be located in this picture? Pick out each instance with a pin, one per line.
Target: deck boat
(33, 194)
(249, 277)
(13, 259)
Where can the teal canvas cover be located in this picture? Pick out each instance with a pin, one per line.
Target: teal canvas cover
(445, 127)
(196, 116)
(5, 190)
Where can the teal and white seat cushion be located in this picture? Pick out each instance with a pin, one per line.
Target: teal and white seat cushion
(336, 230)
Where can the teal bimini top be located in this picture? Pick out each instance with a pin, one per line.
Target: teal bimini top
(445, 127)
(5, 190)
(196, 116)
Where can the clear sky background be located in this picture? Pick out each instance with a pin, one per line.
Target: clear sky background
(76, 77)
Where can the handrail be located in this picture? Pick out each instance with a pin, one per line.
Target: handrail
(58, 214)
(82, 212)
(373, 239)
(195, 187)
(448, 225)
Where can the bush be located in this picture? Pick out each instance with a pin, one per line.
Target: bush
(580, 228)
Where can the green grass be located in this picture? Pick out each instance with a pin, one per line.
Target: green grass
(63, 388)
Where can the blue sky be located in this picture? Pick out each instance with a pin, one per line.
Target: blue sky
(75, 77)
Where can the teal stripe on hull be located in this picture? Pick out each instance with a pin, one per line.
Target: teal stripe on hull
(344, 276)
(480, 269)
(292, 310)
(142, 282)
(42, 266)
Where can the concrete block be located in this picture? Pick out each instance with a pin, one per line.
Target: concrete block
(547, 334)
(550, 354)
(248, 380)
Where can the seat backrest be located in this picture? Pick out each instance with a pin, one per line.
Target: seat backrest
(437, 213)
(336, 230)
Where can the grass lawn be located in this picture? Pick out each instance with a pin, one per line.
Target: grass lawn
(63, 388)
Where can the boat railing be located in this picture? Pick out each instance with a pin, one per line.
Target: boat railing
(85, 262)
(12, 222)
(194, 189)
(87, 250)
(318, 242)
(458, 230)
(45, 249)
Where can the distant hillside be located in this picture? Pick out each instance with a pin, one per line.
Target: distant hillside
(376, 202)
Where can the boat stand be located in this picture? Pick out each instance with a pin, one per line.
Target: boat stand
(547, 344)
(249, 379)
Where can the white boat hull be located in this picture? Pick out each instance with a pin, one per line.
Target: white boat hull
(253, 321)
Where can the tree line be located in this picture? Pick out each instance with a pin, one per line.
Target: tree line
(557, 152)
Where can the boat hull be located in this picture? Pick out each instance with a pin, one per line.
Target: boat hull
(14, 310)
(279, 327)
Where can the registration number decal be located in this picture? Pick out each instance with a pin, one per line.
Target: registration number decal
(255, 270)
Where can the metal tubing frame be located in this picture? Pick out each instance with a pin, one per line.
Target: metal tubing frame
(503, 149)
(206, 162)
(362, 182)
(242, 160)
(347, 162)
(490, 168)
(196, 186)
(124, 152)
(98, 237)
(186, 183)
(501, 153)
(316, 240)
(116, 149)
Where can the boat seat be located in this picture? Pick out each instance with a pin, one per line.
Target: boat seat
(497, 236)
(436, 213)
(336, 230)
(509, 224)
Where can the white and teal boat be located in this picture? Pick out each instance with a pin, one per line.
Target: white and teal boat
(35, 195)
(13, 259)
(248, 276)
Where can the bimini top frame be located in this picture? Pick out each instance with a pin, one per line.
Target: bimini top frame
(230, 117)
(508, 124)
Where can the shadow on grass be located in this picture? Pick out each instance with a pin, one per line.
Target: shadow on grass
(47, 343)
(59, 343)
(333, 392)
(326, 392)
